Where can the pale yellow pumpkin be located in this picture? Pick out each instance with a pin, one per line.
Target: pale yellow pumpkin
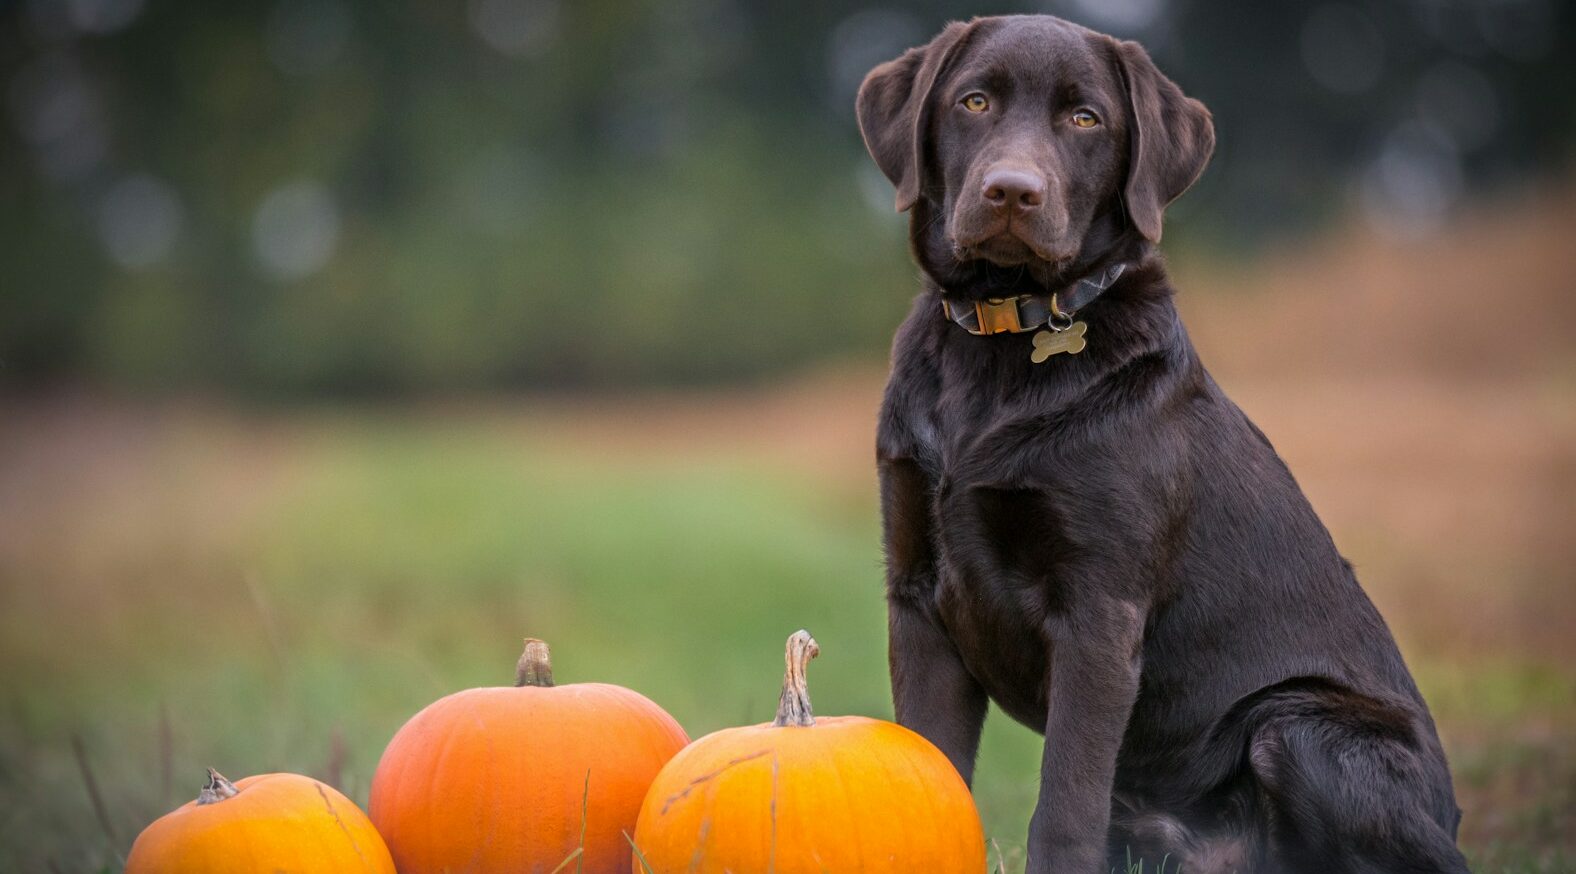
(802, 795)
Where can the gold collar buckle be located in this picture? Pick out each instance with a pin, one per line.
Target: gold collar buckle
(998, 314)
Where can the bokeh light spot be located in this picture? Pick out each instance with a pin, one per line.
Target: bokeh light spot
(1342, 49)
(518, 28)
(102, 16)
(59, 111)
(1522, 30)
(497, 188)
(1459, 101)
(307, 36)
(295, 230)
(139, 220)
(1408, 190)
(1126, 16)
(861, 41)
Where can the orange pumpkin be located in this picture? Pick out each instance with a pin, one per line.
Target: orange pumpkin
(802, 795)
(260, 825)
(520, 779)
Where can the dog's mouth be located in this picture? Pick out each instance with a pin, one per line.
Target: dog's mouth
(1005, 246)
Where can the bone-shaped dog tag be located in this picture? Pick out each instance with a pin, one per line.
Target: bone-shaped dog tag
(1048, 343)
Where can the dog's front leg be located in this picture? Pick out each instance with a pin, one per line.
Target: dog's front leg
(1096, 651)
(932, 692)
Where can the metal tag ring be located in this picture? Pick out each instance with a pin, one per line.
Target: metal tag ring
(1059, 321)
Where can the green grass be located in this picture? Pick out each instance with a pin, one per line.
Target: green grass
(400, 561)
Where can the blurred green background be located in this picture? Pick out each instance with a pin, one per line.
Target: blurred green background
(342, 344)
(328, 197)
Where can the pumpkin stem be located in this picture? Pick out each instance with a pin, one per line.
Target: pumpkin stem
(217, 789)
(793, 708)
(536, 665)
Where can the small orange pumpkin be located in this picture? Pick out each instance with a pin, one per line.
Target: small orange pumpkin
(802, 795)
(502, 779)
(261, 825)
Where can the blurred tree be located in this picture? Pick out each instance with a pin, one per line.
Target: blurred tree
(346, 196)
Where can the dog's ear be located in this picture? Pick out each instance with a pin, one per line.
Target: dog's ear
(892, 107)
(1171, 137)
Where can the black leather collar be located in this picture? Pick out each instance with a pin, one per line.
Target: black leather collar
(1028, 312)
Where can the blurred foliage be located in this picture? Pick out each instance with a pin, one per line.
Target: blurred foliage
(342, 196)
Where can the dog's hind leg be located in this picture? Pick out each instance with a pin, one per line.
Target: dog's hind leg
(1344, 792)
(1158, 842)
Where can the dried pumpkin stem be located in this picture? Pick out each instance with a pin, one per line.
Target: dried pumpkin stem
(536, 665)
(217, 789)
(793, 708)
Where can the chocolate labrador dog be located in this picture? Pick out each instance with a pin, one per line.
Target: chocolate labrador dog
(1080, 526)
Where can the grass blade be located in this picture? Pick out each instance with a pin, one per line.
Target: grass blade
(99, 809)
(577, 856)
(585, 805)
(639, 856)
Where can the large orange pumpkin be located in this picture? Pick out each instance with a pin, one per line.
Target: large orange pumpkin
(519, 779)
(262, 825)
(802, 795)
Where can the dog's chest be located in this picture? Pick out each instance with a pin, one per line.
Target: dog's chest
(993, 511)
(999, 553)
(995, 584)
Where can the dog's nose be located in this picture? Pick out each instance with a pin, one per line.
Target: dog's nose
(1012, 187)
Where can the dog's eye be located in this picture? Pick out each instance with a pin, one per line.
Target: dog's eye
(1085, 118)
(976, 102)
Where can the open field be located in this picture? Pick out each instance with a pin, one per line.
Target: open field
(191, 583)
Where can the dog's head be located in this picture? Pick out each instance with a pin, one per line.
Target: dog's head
(1030, 142)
